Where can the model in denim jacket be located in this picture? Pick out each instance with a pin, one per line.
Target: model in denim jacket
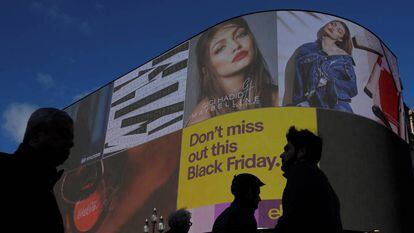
(324, 73)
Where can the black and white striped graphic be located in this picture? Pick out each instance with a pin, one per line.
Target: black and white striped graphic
(148, 102)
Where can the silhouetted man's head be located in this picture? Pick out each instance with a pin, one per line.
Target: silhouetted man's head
(302, 145)
(246, 189)
(50, 132)
(179, 221)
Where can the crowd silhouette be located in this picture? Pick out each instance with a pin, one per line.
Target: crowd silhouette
(29, 175)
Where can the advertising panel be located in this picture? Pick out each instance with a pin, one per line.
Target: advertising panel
(174, 132)
(215, 150)
(148, 102)
(370, 170)
(328, 62)
(90, 117)
(384, 87)
(232, 67)
(117, 193)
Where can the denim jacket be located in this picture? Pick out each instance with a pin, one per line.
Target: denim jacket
(323, 80)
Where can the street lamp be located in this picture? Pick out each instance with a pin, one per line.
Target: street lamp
(154, 220)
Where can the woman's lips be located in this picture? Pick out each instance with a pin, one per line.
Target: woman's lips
(239, 56)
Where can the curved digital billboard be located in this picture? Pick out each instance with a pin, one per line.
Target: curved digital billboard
(173, 132)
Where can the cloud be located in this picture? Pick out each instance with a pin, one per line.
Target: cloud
(54, 12)
(45, 80)
(15, 119)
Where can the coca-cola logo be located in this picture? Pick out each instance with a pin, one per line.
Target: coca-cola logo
(87, 212)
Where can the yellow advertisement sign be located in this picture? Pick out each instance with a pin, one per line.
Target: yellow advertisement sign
(251, 141)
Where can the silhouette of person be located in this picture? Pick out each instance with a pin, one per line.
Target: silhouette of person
(309, 201)
(179, 221)
(28, 176)
(239, 216)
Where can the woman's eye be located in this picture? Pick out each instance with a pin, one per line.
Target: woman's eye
(241, 34)
(219, 49)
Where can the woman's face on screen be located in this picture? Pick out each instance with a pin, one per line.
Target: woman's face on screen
(335, 30)
(231, 50)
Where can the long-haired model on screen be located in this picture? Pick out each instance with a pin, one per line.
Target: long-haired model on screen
(324, 75)
(233, 72)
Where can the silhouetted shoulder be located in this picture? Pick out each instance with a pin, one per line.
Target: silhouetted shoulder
(7, 162)
(235, 219)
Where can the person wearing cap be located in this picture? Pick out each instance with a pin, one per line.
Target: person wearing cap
(28, 176)
(239, 216)
(309, 201)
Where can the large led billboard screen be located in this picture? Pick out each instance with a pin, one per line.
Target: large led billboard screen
(173, 132)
